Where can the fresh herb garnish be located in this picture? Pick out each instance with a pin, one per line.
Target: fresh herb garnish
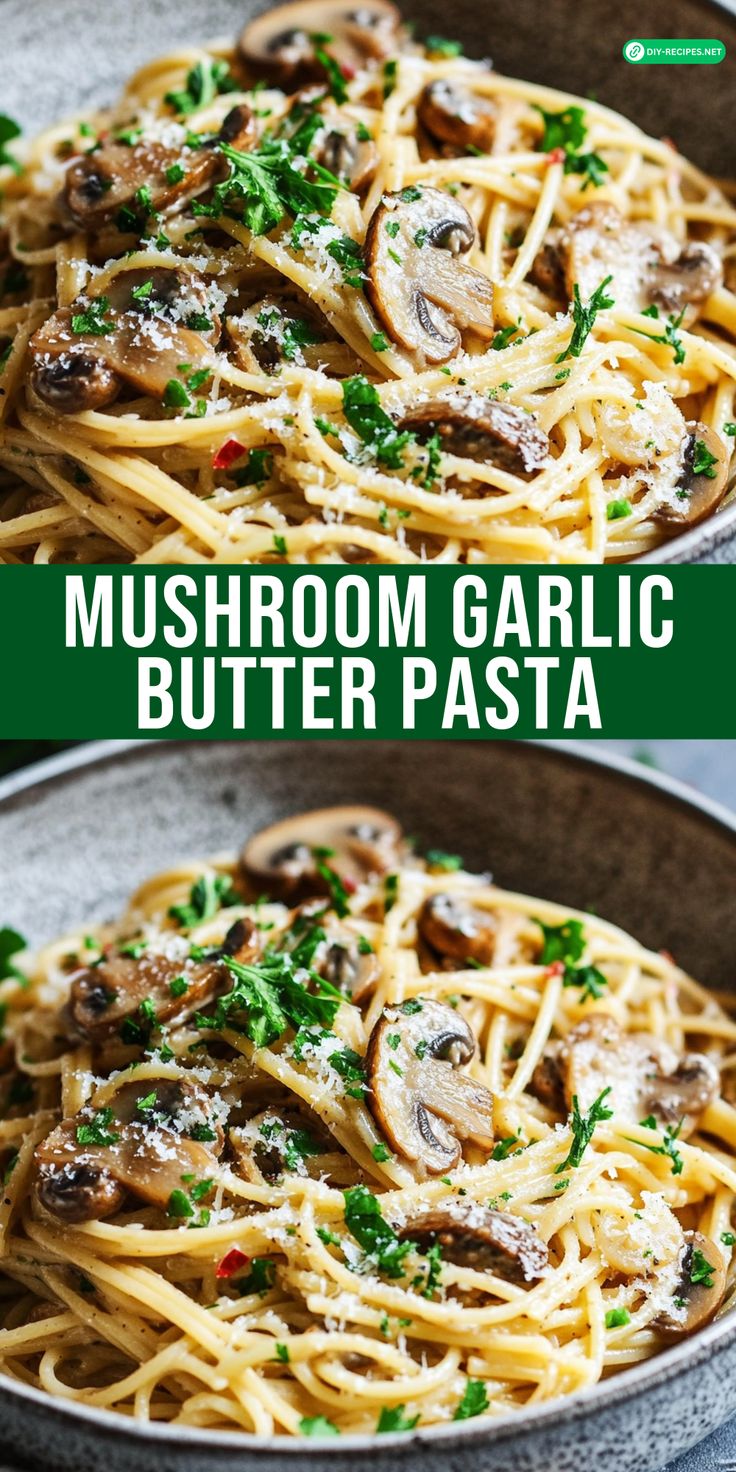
(700, 1270)
(583, 1127)
(317, 1426)
(376, 1236)
(704, 463)
(97, 1132)
(565, 943)
(668, 1146)
(209, 893)
(584, 316)
(335, 885)
(93, 320)
(11, 944)
(364, 413)
(474, 1401)
(269, 998)
(616, 510)
(393, 1418)
(617, 1317)
(8, 131)
(265, 184)
(261, 1277)
(567, 130)
(204, 83)
(670, 336)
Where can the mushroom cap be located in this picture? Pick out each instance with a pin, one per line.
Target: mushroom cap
(100, 184)
(420, 290)
(452, 927)
(695, 496)
(353, 160)
(644, 1075)
(478, 1237)
(702, 1299)
(280, 46)
(351, 970)
(649, 266)
(482, 429)
(420, 1100)
(148, 342)
(451, 113)
(281, 860)
(148, 1153)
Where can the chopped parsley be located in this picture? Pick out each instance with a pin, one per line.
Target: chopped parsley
(390, 891)
(376, 1236)
(209, 893)
(380, 343)
(728, 1239)
(11, 944)
(335, 78)
(567, 130)
(502, 1149)
(8, 131)
(282, 1353)
(380, 1153)
(583, 1127)
(268, 998)
(174, 174)
(257, 469)
(363, 411)
(338, 892)
(261, 1277)
(266, 184)
(704, 463)
(617, 1317)
(179, 1204)
(617, 510)
(393, 1418)
(438, 46)
(179, 986)
(204, 83)
(438, 859)
(98, 1131)
(94, 320)
(670, 336)
(474, 1401)
(700, 1270)
(584, 318)
(668, 1146)
(318, 1426)
(565, 943)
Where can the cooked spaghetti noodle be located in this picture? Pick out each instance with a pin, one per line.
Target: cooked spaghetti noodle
(263, 452)
(295, 1289)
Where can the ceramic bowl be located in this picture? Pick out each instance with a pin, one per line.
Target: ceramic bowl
(77, 833)
(60, 57)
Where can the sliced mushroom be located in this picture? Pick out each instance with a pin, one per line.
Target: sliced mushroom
(352, 158)
(422, 1103)
(352, 970)
(151, 1147)
(548, 269)
(275, 331)
(482, 429)
(421, 291)
(458, 931)
(279, 1140)
(284, 861)
(700, 1291)
(453, 114)
(702, 483)
(122, 184)
(106, 996)
(649, 267)
(477, 1237)
(547, 1084)
(282, 44)
(644, 1075)
(82, 356)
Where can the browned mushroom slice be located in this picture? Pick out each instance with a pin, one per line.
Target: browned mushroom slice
(104, 996)
(482, 429)
(350, 156)
(644, 1075)
(700, 1292)
(149, 1142)
(453, 114)
(283, 45)
(288, 860)
(422, 1103)
(702, 483)
(277, 1141)
(547, 1083)
(457, 930)
(148, 329)
(648, 267)
(127, 185)
(477, 1237)
(420, 289)
(548, 269)
(350, 967)
(274, 331)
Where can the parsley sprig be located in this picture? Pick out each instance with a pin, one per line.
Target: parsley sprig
(670, 336)
(668, 1146)
(268, 997)
(209, 893)
(265, 184)
(583, 316)
(566, 943)
(363, 410)
(583, 1128)
(8, 131)
(568, 130)
(204, 83)
(365, 1222)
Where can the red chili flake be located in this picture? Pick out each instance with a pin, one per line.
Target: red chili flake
(670, 143)
(667, 956)
(228, 454)
(232, 1262)
(556, 156)
(555, 968)
(348, 71)
(349, 884)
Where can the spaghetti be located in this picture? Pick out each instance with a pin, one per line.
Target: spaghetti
(444, 315)
(412, 1149)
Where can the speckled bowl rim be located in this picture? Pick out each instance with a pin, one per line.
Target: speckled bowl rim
(658, 1371)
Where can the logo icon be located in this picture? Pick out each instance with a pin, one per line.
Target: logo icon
(634, 50)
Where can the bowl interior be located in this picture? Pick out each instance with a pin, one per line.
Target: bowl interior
(593, 836)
